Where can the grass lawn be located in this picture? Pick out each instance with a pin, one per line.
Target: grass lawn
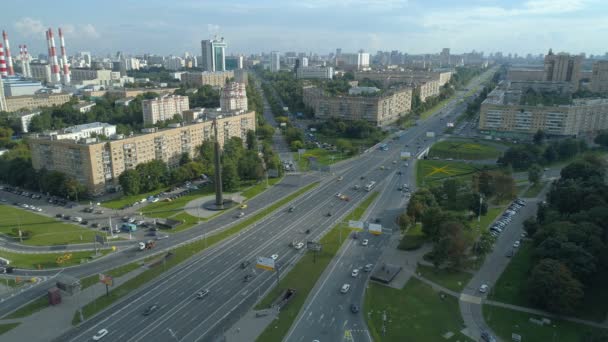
(487, 219)
(504, 322)
(180, 254)
(413, 238)
(427, 113)
(256, 189)
(511, 286)
(163, 209)
(414, 313)
(114, 273)
(188, 221)
(45, 231)
(324, 157)
(28, 309)
(535, 189)
(464, 149)
(49, 260)
(452, 279)
(7, 327)
(304, 275)
(124, 200)
(434, 171)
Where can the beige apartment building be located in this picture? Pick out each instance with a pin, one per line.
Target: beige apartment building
(134, 92)
(381, 109)
(599, 77)
(215, 79)
(428, 83)
(501, 113)
(29, 102)
(164, 108)
(98, 164)
(563, 67)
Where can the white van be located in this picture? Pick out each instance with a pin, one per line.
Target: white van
(77, 219)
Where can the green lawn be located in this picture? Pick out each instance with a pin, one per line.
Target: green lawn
(45, 231)
(427, 113)
(304, 275)
(535, 189)
(324, 157)
(48, 260)
(452, 279)
(124, 200)
(504, 322)
(180, 254)
(434, 171)
(256, 189)
(413, 238)
(487, 219)
(7, 327)
(114, 273)
(164, 209)
(28, 309)
(414, 313)
(464, 149)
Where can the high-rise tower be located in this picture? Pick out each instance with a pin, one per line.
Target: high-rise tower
(213, 55)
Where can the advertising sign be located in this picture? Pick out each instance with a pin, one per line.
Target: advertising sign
(375, 229)
(265, 263)
(406, 155)
(357, 225)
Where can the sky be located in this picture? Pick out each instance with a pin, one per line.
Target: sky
(318, 26)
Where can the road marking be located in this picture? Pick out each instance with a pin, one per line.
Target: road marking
(470, 299)
(321, 317)
(344, 325)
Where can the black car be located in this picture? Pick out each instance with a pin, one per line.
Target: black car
(95, 225)
(106, 228)
(150, 309)
(59, 215)
(67, 217)
(248, 278)
(84, 223)
(244, 264)
(354, 308)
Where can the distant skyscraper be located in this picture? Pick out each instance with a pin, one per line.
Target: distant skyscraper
(213, 55)
(445, 57)
(275, 61)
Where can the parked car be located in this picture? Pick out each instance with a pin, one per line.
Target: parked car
(516, 244)
(487, 337)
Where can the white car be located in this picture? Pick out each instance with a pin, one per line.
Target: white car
(100, 334)
(345, 288)
(483, 288)
(355, 273)
(299, 245)
(274, 256)
(365, 242)
(516, 244)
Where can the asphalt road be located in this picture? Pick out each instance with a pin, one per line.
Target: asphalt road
(218, 269)
(289, 184)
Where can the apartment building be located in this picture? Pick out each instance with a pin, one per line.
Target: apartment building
(315, 72)
(599, 77)
(41, 72)
(502, 114)
(25, 119)
(164, 108)
(429, 83)
(215, 79)
(380, 109)
(84, 131)
(79, 75)
(233, 97)
(563, 67)
(29, 102)
(98, 164)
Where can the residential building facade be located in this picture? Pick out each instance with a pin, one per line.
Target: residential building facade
(380, 109)
(41, 72)
(164, 108)
(275, 61)
(26, 102)
(98, 164)
(563, 67)
(315, 72)
(233, 97)
(215, 79)
(599, 77)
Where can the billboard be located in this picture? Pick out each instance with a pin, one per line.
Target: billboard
(430, 134)
(356, 225)
(313, 246)
(100, 238)
(405, 155)
(375, 229)
(265, 263)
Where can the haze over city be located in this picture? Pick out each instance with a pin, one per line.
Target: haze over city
(414, 26)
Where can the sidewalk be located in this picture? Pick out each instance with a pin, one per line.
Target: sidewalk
(53, 321)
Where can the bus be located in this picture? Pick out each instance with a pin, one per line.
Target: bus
(384, 147)
(369, 186)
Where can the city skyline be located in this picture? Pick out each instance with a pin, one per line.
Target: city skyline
(412, 26)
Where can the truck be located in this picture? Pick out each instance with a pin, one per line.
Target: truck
(142, 246)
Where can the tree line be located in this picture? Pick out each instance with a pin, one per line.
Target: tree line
(523, 156)
(570, 237)
(447, 213)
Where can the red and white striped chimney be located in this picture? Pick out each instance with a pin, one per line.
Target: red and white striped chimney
(64, 59)
(9, 58)
(3, 72)
(56, 77)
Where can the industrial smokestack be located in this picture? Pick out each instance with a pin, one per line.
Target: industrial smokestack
(9, 58)
(26, 57)
(64, 59)
(3, 72)
(56, 77)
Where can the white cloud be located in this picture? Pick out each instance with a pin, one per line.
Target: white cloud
(89, 31)
(355, 4)
(213, 28)
(29, 27)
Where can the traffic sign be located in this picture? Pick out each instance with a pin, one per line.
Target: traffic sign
(375, 229)
(265, 263)
(356, 225)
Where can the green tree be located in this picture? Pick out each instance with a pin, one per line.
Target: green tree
(230, 175)
(344, 145)
(185, 158)
(296, 145)
(602, 138)
(420, 201)
(552, 286)
(251, 141)
(130, 182)
(534, 173)
(539, 137)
